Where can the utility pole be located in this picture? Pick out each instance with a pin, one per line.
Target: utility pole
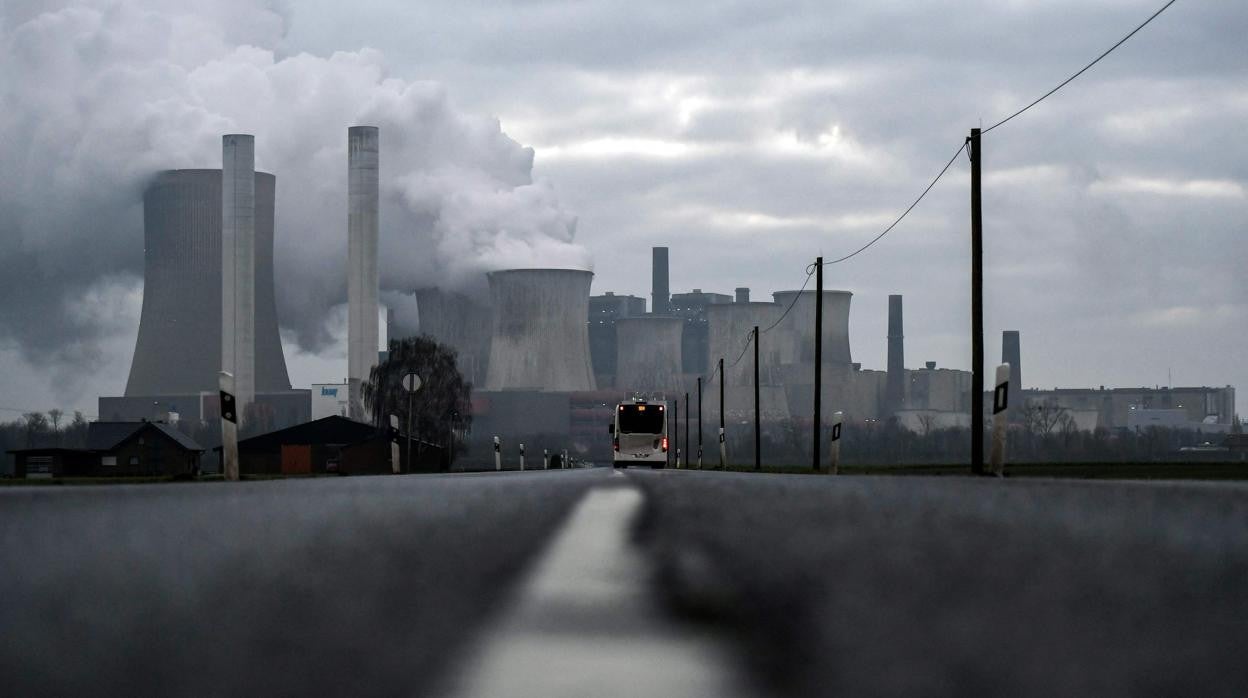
(723, 440)
(687, 451)
(699, 422)
(818, 421)
(677, 439)
(758, 444)
(977, 309)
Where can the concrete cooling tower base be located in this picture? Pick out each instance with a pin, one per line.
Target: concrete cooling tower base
(540, 339)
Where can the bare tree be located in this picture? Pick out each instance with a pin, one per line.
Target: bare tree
(55, 415)
(1043, 417)
(927, 422)
(36, 424)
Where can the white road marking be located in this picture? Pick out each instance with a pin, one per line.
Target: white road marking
(586, 622)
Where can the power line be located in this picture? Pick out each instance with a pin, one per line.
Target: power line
(1108, 51)
(905, 213)
(810, 271)
(749, 337)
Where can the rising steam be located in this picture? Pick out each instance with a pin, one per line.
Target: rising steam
(97, 96)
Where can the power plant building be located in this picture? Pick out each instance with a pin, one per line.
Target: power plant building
(178, 351)
(695, 341)
(604, 311)
(649, 354)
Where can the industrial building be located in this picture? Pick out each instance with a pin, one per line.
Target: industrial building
(695, 340)
(604, 310)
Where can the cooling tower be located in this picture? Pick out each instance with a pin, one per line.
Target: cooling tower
(660, 297)
(462, 323)
(362, 279)
(179, 347)
(797, 330)
(728, 328)
(895, 386)
(648, 353)
(540, 340)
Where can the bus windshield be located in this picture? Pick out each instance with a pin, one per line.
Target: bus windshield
(641, 419)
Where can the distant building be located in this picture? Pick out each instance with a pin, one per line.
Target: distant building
(328, 400)
(603, 312)
(691, 307)
(1196, 408)
(115, 449)
(333, 444)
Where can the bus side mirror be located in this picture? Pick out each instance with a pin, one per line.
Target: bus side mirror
(611, 429)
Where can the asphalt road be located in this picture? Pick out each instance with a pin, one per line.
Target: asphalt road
(332, 586)
(672, 581)
(958, 587)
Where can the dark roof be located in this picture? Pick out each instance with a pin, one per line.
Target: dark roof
(105, 436)
(327, 430)
(51, 450)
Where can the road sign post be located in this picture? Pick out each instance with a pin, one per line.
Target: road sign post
(411, 383)
(229, 427)
(835, 450)
(1000, 403)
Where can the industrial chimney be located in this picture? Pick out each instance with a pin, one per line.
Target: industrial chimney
(895, 387)
(362, 280)
(1012, 355)
(540, 339)
(182, 330)
(238, 266)
(660, 297)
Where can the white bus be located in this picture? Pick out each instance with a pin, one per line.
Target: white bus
(639, 433)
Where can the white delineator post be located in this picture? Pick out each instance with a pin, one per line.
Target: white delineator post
(723, 449)
(1000, 403)
(545, 459)
(522, 456)
(229, 426)
(395, 456)
(838, 419)
(498, 454)
(238, 267)
(362, 280)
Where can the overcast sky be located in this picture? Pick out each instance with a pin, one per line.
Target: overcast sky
(746, 137)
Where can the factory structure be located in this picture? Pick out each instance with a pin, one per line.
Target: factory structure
(543, 353)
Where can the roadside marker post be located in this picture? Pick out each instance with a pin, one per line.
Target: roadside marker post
(498, 454)
(1000, 403)
(229, 427)
(522, 456)
(838, 419)
(545, 459)
(395, 463)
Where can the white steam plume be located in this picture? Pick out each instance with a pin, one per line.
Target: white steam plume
(97, 96)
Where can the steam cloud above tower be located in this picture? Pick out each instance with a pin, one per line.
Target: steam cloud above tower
(96, 97)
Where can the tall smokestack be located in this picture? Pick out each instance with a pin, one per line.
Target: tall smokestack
(238, 266)
(660, 297)
(895, 387)
(743, 295)
(1011, 354)
(362, 281)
